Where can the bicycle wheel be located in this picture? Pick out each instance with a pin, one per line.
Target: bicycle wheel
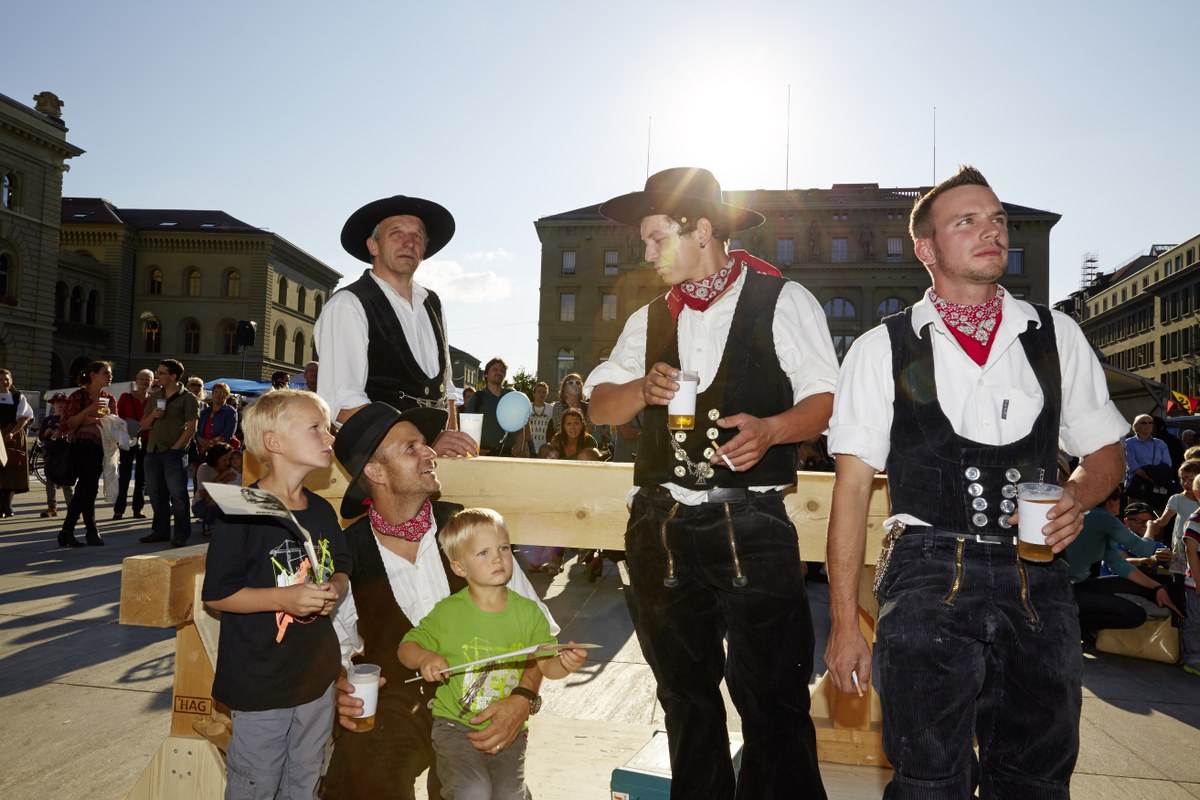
(37, 461)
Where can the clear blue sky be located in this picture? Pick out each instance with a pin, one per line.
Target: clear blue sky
(291, 115)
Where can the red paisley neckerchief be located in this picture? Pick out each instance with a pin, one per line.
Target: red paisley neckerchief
(699, 295)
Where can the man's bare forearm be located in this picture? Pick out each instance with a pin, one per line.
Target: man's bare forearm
(1097, 475)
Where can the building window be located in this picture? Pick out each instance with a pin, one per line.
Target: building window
(280, 344)
(228, 338)
(565, 363)
(8, 191)
(191, 337)
(785, 250)
(76, 314)
(1191, 256)
(152, 336)
(568, 262)
(193, 283)
(889, 305)
(610, 262)
(233, 283)
(841, 344)
(841, 250)
(89, 310)
(60, 300)
(895, 248)
(155, 281)
(839, 308)
(566, 307)
(301, 302)
(608, 307)
(318, 304)
(298, 348)
(5, 271)
(281, 297)
(1016, 261)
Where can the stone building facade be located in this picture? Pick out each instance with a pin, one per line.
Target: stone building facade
(849, 245)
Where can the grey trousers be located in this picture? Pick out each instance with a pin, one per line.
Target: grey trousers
(278, 750)
(468, 774)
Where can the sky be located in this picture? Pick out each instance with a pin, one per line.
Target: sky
(289, 116)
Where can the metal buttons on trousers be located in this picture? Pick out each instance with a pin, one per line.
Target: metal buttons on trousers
(1007, 506)
(712, 433)
(972, 473)
(1008, 490)
(1005, 522)
(979, 504)
(979, 520)
(1012, 475)
(974, 489)
(714, 414)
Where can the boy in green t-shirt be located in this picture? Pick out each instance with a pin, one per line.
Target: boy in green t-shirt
(481, 621)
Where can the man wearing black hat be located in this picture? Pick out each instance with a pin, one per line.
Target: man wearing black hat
(713, 558)
(400, 573)
(383, 337)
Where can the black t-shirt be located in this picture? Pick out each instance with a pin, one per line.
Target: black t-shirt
(254, 672)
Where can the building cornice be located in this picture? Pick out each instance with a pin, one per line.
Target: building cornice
(58, 146)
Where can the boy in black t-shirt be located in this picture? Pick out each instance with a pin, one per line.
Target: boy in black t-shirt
(278, 655)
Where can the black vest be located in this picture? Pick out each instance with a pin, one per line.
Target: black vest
(381, 621)
(947, 480)
(8, 414)
(749, 380)
(393, 375)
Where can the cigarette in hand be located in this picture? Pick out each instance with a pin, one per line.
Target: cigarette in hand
(857, 685)
(728, 463)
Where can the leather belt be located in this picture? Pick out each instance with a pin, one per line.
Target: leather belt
(982, 538)
(717, 494)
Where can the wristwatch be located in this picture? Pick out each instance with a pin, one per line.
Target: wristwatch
(535, 700)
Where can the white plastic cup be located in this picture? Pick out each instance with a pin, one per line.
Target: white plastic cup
(365, 679)
(681, 409)
(162, 404)
(1034, 501)
(472, 425)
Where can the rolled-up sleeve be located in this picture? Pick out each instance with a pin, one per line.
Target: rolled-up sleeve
(628, 359)
(341, 338)
(1089, 419)
(802, 342)
(862, 402)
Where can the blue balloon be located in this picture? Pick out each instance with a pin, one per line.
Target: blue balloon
(513, 411)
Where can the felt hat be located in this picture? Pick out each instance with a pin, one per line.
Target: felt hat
(439, 223)
(681, 192)
(360, 436)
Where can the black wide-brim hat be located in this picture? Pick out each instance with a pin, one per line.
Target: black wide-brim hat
(439, 223)
(681, 192)
(360, 436)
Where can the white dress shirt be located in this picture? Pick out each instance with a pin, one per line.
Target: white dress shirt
(341, 339)
(417, 586)
(801, 336)
(993, 404)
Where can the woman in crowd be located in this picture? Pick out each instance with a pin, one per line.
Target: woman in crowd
(570, 395)
(51, 424)
(218, 421)
(81, 423)
(15, 415)
(217, 468)
(572, 441)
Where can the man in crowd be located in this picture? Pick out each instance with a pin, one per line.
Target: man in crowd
(961, 397)
(310, 376)
(131, 407)
(383, 337)
(495, 440)
(400, 573)
(171, 416)
(712, 555)
(280, 379)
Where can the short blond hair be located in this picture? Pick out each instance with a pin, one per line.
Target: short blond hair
(464, 524)
(268, 413)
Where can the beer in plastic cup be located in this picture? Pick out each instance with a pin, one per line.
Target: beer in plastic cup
(365, 679)
(162, 404)
(472, 425)
(681, 410)
(1033, 501)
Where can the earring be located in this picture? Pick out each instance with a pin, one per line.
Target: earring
(702, 245)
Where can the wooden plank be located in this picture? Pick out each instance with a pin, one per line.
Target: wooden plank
(191, 696)
(184, 768)
(157, 588)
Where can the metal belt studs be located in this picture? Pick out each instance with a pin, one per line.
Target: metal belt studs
(701, 472)
(441, 402)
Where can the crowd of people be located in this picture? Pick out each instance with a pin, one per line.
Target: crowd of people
(957, 399)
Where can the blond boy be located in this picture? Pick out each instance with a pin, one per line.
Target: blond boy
(486, 619)
(279, 654)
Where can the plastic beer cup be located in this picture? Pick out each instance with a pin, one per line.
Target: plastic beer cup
(1033, 501)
